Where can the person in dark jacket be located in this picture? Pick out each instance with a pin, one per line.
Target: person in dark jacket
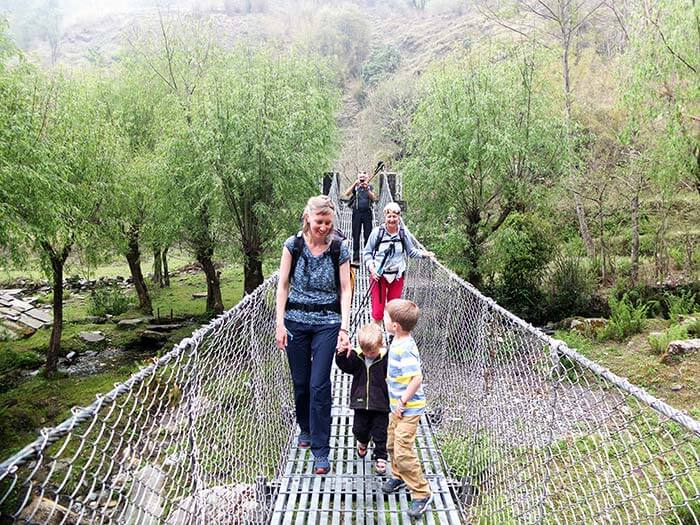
(369, 397)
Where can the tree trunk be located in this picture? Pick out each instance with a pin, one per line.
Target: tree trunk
(580, 210)
(166, 274)
(133, 257)
(215, 304)
(253, 274)
(57, 262)
(472, 250)
(157, 278)
(634, 256)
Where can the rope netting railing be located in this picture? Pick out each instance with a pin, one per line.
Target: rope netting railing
(532, 431)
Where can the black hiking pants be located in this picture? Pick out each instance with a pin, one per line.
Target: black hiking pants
(371, 424)
(361, 220)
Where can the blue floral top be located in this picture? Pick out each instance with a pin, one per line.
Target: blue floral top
(313, 282)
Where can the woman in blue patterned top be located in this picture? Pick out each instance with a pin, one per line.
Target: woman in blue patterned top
(313, 313)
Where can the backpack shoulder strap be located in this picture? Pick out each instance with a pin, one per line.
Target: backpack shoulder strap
(297, 248)
(402, 237)
(380, 236)
(335, 257)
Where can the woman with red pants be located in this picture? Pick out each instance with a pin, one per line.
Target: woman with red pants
(385, 257)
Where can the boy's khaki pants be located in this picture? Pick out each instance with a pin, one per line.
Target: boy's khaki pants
(404, 463)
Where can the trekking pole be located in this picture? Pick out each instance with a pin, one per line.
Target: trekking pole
(363, 303)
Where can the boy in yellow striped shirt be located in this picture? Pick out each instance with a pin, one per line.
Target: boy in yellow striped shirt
(407, 404)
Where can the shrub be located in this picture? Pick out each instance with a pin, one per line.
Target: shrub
(679, 304)
(381, 62)
(521, 252)
(626, 319)
(659, 343)
(107, 300)
(569, 287)
(13, 359)
(693, 328)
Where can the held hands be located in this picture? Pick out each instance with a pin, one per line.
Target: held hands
(429, 255)
(343, 342)
(281, 337)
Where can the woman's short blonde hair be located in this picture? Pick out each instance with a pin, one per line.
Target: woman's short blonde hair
(321, 204)
(393, 208)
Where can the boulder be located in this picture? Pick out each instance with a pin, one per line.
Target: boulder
(48, 512)
(145, 501)
(164, 327)
(151, 336)
(40, 315)
(588, 326)
(130, 323)
(199, 295)
(680, 348)
(225, 505)
(92, 337)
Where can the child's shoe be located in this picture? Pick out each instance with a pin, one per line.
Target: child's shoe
(419, 507)
(304, 440)
(361, 449)
(393, 485)
(322, 466)
(380, 466)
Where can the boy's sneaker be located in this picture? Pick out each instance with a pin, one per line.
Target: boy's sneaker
(322, 466)
(304, 440)
(419, 506)
(393, 485)
(380, 466)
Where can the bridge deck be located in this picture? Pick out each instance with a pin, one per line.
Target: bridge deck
(351, 493)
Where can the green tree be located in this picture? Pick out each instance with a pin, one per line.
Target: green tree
(57, 164)
(483, 141)
(263, 127)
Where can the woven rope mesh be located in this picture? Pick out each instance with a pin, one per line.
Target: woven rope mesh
(531, 431)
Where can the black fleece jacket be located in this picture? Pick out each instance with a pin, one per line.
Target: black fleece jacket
(368, 391)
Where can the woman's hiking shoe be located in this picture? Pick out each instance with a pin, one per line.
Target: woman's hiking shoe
(304, 440)
(393, 485)
(361, 449)
(322, 466)
(380, 466)
(419, 506)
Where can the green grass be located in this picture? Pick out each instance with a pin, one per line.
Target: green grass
(39, 402)
(635, 359)
(27, 404)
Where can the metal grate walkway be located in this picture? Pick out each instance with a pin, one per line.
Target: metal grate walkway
(351, 493)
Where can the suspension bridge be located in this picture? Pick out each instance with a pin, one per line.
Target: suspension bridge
(520, 429)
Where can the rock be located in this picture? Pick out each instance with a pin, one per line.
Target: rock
(145, 504)
(680, 348)
(164, 327)
(21, 306)
(228, 504)
(588, 326)
(71, 356)
(94, 319)
(31, 322)
(676, 388)
(150, 336)
(48, 512)
(92, 337)
(684, 319)
(40, 315)
(199, 295)
(13, 291)
(130, 323)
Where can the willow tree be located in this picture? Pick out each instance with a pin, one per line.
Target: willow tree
(263, 128)
(57, 165)
(483, 143)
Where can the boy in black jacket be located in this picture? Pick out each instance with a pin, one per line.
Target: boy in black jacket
(368, 395)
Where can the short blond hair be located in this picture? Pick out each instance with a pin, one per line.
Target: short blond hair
(403, 312)
(393, 208)
(370, 336)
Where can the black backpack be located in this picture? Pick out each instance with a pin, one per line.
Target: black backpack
(298, 248)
